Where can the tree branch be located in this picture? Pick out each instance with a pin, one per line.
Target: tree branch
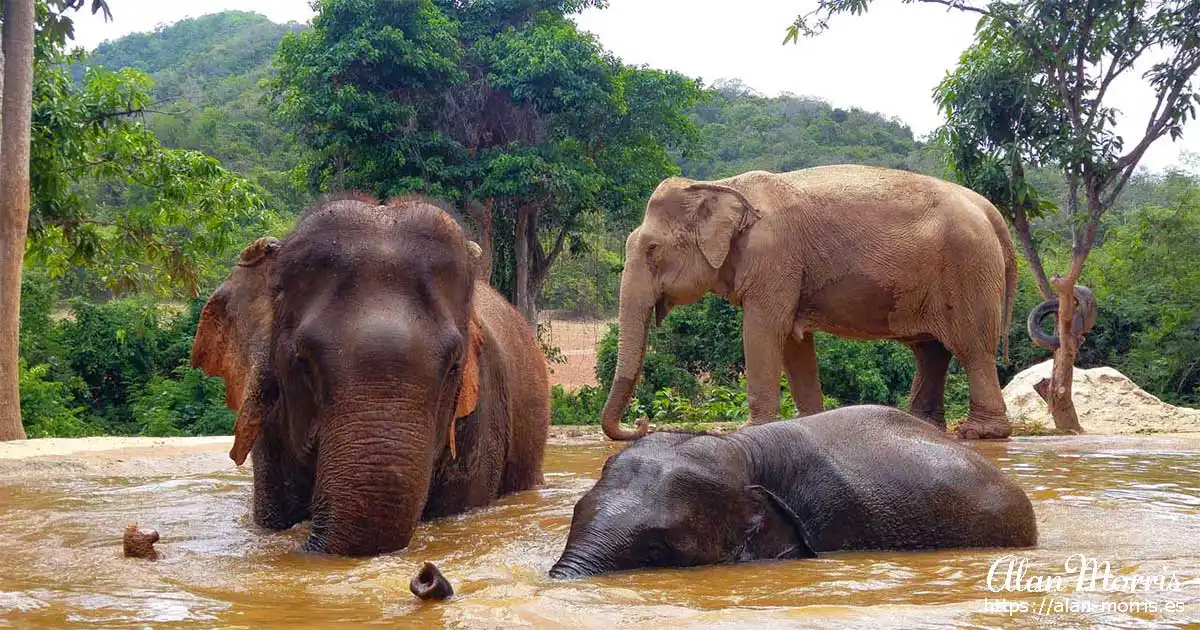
(957, 4)
(1154, 129)
(1029, 245)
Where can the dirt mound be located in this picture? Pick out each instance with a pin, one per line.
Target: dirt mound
(1106, 401)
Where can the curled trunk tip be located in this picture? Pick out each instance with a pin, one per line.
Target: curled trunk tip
(614, 408)
(429, 583)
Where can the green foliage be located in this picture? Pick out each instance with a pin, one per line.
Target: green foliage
(206, 74)
(46, 406)
(741, 130)
(502, 103)
(659, 371)
(120, 367)
(1148, 271)
(190, 403)
(107, 194)
(582, 406)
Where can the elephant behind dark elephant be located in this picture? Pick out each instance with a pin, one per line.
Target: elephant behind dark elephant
(856, 251)
(865, 477)
(382, 381)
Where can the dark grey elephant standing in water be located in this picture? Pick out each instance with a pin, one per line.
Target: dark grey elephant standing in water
(790, 489)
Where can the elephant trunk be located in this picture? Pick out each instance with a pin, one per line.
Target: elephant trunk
(429, 583)
(636, 309)
(372, 481)
(581, 560)
(1083, 321)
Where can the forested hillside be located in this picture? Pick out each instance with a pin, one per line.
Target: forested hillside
(96, 364)
(207, 73)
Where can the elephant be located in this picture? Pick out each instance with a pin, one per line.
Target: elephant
(857, 251)
(1083, 321)
(379, 381)
(791, 489)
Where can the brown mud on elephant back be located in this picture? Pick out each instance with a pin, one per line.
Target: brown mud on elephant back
(231, 337)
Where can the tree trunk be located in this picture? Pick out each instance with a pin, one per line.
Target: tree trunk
(14, 200)
(522, 298)
(1062, 407)
(482, 214)
(1025, 237)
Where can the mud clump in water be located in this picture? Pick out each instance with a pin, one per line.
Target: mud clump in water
(139, 544)
(429, 583)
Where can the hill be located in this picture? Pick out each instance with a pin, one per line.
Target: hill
(206, 73)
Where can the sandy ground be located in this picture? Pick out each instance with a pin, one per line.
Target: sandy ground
(577, 340)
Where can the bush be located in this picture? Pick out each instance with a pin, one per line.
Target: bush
(190, 404)
(47, 407)
(119, 367)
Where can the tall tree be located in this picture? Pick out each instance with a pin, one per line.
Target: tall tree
(104, 192)
(1031, 90)
(504, 107)
(14, 200)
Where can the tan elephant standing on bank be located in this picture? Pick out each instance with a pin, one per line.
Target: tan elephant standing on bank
(857, 251)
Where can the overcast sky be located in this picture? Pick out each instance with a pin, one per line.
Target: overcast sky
(872, 61)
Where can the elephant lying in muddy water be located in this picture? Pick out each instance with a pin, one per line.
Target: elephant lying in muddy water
(856, 251)
(378, 380)
(865, 477)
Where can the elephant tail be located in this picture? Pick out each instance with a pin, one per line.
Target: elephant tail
(1010, 276)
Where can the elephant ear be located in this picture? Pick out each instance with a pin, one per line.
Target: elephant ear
(250, 416)
(231, 328)
(468, 393)
(773, 530)
(211, 345)
(721, 214)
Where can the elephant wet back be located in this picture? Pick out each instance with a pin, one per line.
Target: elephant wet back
(911, 273)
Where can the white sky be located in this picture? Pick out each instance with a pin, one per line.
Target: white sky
(714, 39)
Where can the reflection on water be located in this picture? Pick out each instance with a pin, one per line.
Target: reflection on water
(1133, 502)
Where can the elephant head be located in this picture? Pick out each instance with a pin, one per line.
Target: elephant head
(1082, 322)
(369, 354)
(673, 258)
(656, 508)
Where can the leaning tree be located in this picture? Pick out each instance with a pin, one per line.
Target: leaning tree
(1035, 89)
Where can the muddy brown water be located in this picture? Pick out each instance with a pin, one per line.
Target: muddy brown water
(1133, 502)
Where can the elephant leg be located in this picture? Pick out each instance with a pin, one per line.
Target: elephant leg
(804, 379)
(282, 488)
(762, 342)
(987, 417)
(927, 396)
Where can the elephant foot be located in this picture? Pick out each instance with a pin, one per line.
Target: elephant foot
(972, 429)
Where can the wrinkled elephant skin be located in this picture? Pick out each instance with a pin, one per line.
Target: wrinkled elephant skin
(864, 477)
(378, 381)
(856, 251)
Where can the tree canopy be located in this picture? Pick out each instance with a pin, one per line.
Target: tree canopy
(505, 107)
